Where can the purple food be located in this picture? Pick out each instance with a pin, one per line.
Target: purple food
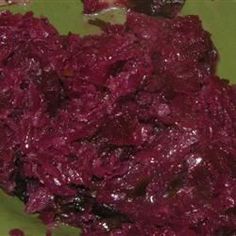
(166, 8)
(127, 133)
(16, 232)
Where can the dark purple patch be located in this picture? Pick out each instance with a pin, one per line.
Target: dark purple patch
(16, 232)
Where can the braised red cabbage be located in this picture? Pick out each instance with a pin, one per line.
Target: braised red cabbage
(166, 8)
(129, 132)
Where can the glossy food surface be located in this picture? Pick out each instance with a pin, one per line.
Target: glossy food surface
(115, 141)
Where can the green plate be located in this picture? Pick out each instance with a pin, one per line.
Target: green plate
(218, 17)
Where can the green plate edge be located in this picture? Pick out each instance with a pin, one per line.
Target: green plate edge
(218, 17)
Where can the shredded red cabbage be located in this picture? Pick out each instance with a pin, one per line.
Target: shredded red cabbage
(129, 133)
(166, 8)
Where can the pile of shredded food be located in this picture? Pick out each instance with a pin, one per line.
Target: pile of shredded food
(126, 133)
